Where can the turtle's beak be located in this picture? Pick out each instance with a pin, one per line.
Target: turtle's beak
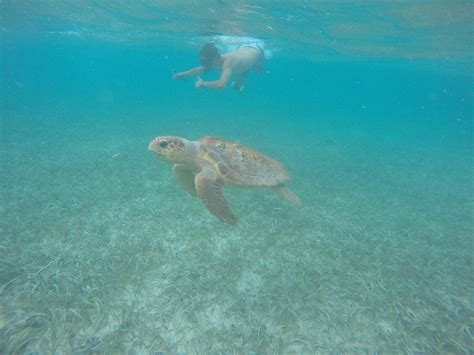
(154, 147)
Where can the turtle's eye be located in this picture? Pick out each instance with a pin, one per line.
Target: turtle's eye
(163, 144)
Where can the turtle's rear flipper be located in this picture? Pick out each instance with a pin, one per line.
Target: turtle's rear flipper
(185, 177)
(287, 194)
(210, 192)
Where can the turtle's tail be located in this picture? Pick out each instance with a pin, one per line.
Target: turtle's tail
(287, 194)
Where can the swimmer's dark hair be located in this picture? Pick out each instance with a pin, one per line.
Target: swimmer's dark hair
(208, 55)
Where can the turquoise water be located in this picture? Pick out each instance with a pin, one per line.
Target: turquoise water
(370, 109)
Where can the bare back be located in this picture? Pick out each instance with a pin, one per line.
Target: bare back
(243, 59)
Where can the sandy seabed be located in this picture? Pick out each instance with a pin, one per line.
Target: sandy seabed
(102, 255)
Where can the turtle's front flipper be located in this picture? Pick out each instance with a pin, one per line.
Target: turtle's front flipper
(210, 192)
(185, 177)
(287, 194)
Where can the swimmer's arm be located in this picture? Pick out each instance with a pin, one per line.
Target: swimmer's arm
(217, 84)
(191, 72)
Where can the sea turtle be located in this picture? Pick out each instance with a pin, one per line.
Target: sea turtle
(202, 166)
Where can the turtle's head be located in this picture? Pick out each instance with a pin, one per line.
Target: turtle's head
(173, 149)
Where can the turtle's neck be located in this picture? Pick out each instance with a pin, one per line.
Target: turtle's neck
(191, 150)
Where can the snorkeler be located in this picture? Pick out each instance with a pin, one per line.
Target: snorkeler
(237, 63)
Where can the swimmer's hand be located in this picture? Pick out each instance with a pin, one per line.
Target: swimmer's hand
(237, 86)
(199, 82)
(178, 75)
